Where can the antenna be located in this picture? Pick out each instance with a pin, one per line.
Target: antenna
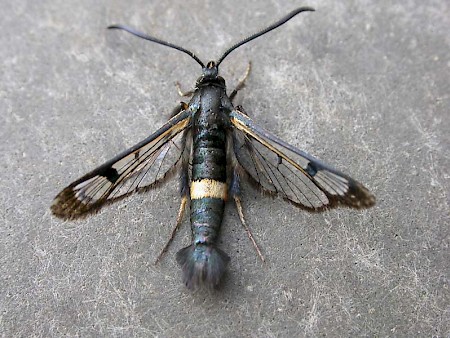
(161, 42)
(266, 30)
(277, 24)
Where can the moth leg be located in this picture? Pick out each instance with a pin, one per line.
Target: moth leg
(241, 83)
(175, 229)
(235, 192)
(184, 192)
(181, 93)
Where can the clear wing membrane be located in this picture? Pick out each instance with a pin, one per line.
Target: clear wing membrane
(278, 168)
(137, 169)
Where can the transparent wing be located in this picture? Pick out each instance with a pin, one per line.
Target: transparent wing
(281, 169)
(137, 169)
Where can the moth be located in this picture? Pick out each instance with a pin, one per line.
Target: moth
(212, 146)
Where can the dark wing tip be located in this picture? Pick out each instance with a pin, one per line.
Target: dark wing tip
(357, 197)
(67, 206)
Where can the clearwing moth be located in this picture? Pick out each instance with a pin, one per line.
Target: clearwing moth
(213, 146)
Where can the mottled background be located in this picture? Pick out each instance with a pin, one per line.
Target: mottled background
(363, 85)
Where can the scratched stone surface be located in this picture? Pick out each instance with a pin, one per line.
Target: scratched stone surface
(362, 85)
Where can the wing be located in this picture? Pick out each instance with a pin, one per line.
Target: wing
(137, 169)
(281, 169)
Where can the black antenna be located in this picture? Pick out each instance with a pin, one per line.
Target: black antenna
(266, 30)
(161, 42)
(228, 51)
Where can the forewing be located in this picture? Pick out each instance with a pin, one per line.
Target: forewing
(281, 169)
(137, 169)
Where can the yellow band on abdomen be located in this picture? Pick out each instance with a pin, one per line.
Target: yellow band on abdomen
(208, 188)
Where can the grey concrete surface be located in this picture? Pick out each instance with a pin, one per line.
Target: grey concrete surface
(363, 85)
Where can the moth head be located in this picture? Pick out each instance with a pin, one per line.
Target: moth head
(211, 71)
(210, 74)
